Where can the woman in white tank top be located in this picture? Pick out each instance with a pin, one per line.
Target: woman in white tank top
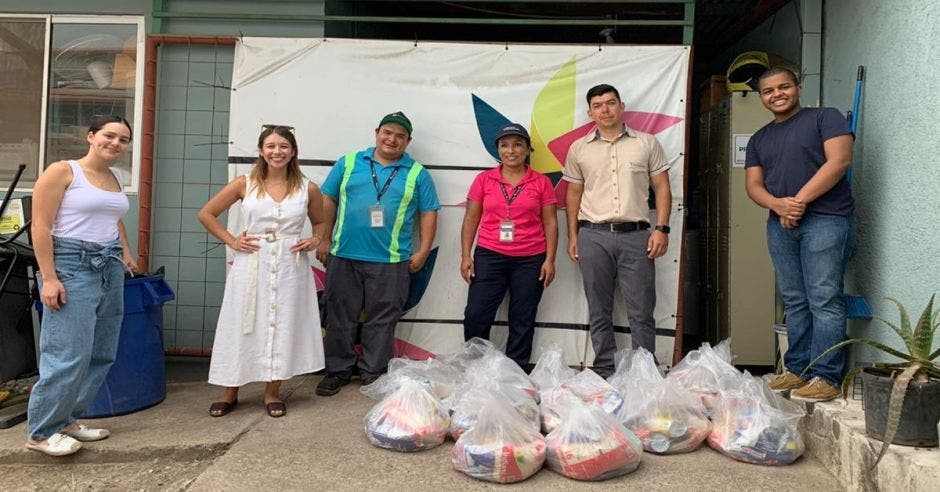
(82, 250)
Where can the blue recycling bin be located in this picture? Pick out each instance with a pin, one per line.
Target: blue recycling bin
(137, 380)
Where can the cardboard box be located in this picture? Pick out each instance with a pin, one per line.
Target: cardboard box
(713, 91)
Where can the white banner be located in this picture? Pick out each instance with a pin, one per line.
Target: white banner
(334, 92)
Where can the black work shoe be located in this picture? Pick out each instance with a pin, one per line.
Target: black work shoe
(331, 384)
(368, 379)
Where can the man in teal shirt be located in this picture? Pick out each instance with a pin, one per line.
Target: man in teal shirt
(370, 201)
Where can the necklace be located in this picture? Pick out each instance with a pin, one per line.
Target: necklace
(102, 180)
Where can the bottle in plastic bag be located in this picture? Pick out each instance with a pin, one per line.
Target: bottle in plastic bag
(755, 425)
(409, 419)
(666, 417)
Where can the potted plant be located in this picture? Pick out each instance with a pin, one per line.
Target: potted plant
(902, 399)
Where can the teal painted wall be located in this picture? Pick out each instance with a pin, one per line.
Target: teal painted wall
(895, 173)
(191, 153)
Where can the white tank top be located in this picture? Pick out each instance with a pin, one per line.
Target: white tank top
(88, 212)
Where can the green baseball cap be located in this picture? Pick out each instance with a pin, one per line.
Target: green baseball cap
(398, 118)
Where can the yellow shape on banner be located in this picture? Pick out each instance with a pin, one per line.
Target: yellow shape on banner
(12, 219)
(552, 116)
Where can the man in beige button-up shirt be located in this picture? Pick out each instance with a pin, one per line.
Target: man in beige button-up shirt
(609, 173)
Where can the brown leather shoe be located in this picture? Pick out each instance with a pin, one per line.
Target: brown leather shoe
(816, 390)
(787, 381)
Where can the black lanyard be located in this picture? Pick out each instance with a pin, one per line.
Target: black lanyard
(388, 182)
(510, 199)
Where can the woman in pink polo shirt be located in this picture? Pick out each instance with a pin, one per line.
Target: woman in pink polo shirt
(511, 211)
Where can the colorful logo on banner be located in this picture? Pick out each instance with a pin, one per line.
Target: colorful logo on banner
(552, 127)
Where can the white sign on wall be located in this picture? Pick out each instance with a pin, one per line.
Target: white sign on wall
(334, 92)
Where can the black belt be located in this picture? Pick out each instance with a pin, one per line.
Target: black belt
(615, 226)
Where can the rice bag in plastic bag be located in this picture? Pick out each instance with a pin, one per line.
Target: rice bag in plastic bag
(472, 397)
(591, 445)
(700, 370)
(550, 369)
(755, 425)
(409, 419)
(502, 447)
(593, 390)
(438, 377)
(666, 417)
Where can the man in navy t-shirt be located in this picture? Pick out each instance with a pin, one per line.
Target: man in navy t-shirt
(795, 167)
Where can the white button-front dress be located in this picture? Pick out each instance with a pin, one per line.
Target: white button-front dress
(269, 323)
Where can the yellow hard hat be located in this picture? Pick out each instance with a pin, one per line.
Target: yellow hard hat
(744, 71)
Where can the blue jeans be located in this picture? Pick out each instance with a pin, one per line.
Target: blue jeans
(78, 342)
(809, 261)
(494, 274)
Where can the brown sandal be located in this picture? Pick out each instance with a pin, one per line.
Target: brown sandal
(276, 409)
(222, 408)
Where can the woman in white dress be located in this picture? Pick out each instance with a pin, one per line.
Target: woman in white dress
(269, 323)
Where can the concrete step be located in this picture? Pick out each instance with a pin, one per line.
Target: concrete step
(835, 435)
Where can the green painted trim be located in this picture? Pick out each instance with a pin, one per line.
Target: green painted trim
(349, 161)
(156, 22)
(688, 30)
(416, 20)
(393, 249)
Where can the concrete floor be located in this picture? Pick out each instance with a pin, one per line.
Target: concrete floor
(320, 445)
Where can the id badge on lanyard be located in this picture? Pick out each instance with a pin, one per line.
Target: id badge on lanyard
(377, 211)
(507, 228)
(377, 215)
(507, 231)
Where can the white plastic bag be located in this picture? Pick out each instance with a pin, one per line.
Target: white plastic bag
(501, 447)
(755, 425)
(591, 445)
(550, 369)
(438, 377)
(667, 418)
(409, 419)
(472, 397)
(481, 360)
(593, 390)
(700, 370)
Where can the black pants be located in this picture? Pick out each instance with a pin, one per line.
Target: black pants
(379, 290)
(494, 274)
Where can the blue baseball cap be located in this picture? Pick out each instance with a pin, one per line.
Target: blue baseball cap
(513, 129)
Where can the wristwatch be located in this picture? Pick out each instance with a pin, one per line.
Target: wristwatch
(662, 228)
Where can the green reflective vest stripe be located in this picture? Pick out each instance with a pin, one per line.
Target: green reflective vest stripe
(394, 253)
(349, 162)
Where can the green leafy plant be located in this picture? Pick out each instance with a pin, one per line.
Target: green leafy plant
(917, 363)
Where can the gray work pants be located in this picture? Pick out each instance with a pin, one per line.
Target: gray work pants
(608, 259)
(353, 287)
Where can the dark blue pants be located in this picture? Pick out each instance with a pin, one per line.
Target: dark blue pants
(494, 274)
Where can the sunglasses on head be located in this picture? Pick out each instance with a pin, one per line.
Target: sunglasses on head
(269, 127)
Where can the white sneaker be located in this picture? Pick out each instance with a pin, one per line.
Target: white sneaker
(87, 434)
(57, 445)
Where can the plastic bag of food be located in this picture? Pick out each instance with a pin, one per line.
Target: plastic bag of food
(471, 398)
(700, 370)
(553, 406)
(438, 377)
(481, 360)
(755, 425)
(593, 390)
(501, 447)
(666, 417)
(591, 445)
(409, 419)
(550, 369)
